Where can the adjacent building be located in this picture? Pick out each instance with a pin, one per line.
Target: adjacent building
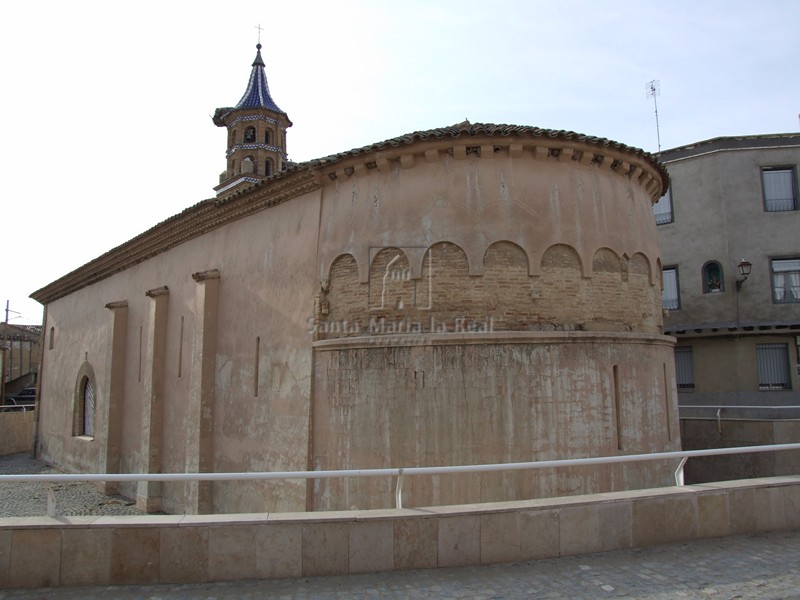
(729, 230)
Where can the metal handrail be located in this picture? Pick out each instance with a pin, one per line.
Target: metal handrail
(736, 406)
(400, 473)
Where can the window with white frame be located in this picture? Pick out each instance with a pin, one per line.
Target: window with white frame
(779, 188)
(786, 280)
(662, 210)
(684, 368)
(773, 366)
(670, 292)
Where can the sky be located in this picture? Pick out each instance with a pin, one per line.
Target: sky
(107, 128)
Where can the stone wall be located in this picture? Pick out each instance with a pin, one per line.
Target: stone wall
(16, 432)
(455, 399)
(81, 551)
(699, 434)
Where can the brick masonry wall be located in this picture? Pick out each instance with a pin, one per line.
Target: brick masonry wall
(618, 296)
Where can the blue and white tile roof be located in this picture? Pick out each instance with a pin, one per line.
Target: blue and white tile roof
(257, 93)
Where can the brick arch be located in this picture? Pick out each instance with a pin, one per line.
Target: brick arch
(561, 256)
(644, 294)
(342, 294)
(444, 286)
(640, 265)
(343, 263)
(505, 250)
(391, 287)
(605, 260)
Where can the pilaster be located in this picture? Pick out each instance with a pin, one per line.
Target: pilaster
(148, 493)
(116, 392)
(200, 422)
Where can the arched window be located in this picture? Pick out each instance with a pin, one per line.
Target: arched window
(85, 402)
(268, 167)
(52, 338)
(267, 137)
(250, 135)
(712, 278)
(248, 165)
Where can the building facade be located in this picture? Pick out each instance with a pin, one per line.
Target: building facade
(470, 294)
(21, 353)
(729, 230)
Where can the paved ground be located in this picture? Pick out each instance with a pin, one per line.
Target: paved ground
(30, 499)
(759, 566)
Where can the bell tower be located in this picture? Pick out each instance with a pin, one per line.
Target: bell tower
(256, 134)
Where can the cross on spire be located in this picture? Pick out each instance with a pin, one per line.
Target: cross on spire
(260, 29)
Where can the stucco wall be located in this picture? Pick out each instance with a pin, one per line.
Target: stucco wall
(490, 398)
(266, 275)
(718, 206)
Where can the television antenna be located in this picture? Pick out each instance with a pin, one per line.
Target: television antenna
(653, 90)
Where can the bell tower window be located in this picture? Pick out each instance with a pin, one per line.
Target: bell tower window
(268, 137)
(249, 135)
(268, 167)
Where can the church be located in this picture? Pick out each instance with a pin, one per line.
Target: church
(471, 294)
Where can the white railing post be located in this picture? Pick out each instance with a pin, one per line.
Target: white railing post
(398, 490)
(679, 472)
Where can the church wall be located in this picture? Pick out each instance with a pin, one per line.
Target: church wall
(499, 398)
(489, 306)
(267, 294)
(266, 267)
(536, 243)
(523, 282)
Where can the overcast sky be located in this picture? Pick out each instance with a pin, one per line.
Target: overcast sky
(106, 105)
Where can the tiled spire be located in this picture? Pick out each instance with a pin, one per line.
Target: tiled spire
(257, 93)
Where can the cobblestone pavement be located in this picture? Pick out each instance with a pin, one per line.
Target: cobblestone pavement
(72, 498)
(757, 566)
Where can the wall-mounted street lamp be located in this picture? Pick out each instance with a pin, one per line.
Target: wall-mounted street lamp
(744, 267)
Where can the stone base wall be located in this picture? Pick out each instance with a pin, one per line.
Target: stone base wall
(73, 551)
(423, 401)
(16, 432)
(700, 434)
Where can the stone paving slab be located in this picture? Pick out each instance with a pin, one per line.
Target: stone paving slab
(758, 566)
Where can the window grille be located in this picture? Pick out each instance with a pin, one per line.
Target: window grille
(786, 281)
(88, 408)
(684, 368)
(662, 210)
(773, 366)
(670, 296)
(779, 193)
